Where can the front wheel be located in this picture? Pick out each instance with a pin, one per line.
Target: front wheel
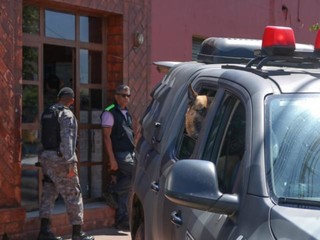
(140, 232)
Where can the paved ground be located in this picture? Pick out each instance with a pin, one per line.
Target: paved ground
(109, 234)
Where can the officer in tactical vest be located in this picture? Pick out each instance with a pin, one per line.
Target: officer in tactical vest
(118, 140)
(58, 161)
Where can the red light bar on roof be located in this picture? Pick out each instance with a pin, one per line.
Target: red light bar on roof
(278, 41)
(317, 43)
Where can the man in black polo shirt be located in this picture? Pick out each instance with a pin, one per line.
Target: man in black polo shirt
(118, 140)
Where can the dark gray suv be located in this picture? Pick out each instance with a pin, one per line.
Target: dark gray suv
(252, 170)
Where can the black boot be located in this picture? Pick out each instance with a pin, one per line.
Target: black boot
(78, 234)
(45, 232)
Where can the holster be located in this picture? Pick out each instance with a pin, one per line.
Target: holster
(47, 179)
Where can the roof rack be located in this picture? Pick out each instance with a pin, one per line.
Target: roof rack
(306, 60)
(297, 59)
(259, 72)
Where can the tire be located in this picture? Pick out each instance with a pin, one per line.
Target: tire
(140, 232)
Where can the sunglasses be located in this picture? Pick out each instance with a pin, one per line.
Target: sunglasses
(124, 95)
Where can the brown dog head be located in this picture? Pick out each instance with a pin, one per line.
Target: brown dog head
(196, 112)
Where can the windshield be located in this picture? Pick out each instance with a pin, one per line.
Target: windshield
(293, 146)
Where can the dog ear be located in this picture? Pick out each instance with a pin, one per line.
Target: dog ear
(192, 94)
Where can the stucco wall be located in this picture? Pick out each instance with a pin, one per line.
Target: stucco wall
(175, 22)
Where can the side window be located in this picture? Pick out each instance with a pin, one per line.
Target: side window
(199, 102)
(226, 143)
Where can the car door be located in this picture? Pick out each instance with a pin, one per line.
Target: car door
(225, 146)
(181, 146)
(167, 104)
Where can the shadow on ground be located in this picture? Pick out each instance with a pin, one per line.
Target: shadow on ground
(107, 234)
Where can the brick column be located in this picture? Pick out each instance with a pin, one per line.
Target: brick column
(12, 215)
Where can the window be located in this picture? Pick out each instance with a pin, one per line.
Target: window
(226, 143)
(58, 68)
(60, 25)
(31, 19)
(30, 182)
(30, 69)
(90, 29)
(196, 46)
(196, 112)
(90, 69)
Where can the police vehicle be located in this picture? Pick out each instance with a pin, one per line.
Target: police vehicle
(253, 171)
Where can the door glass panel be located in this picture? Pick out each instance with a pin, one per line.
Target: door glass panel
(30, 105)
(30, 63)
(220, 120)
(96, 181)
(29, 188)
(90, 145)
(232, 150)
(60, 25)
(30, 173)
(58, 71)
(90, 106)
(91, 181)
(30, 145)
(90, 66)
(90, 29)
(226, 141)
(31, 20)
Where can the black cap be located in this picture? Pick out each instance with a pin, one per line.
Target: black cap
(66, 91)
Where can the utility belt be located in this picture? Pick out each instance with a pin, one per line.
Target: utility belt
(59, 154)
(124, 155)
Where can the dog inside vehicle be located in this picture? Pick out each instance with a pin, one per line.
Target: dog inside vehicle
(196, 112)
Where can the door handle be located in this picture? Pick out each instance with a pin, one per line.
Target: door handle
(155, 186)
(175, 218)
(156, 138)
(157, 124)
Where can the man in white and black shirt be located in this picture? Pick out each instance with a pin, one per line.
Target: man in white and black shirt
(118, 137)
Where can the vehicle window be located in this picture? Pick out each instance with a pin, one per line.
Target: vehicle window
(226, 143)
(150, 116)
(232, 149)
(219, 122)
(293, 146)
(194, 117)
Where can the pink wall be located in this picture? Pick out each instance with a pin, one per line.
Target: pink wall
(173, 23)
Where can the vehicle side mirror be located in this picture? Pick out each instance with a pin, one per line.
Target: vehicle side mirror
(194, 183)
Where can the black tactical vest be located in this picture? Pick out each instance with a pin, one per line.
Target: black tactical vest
(50, 133)
(122, 135)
